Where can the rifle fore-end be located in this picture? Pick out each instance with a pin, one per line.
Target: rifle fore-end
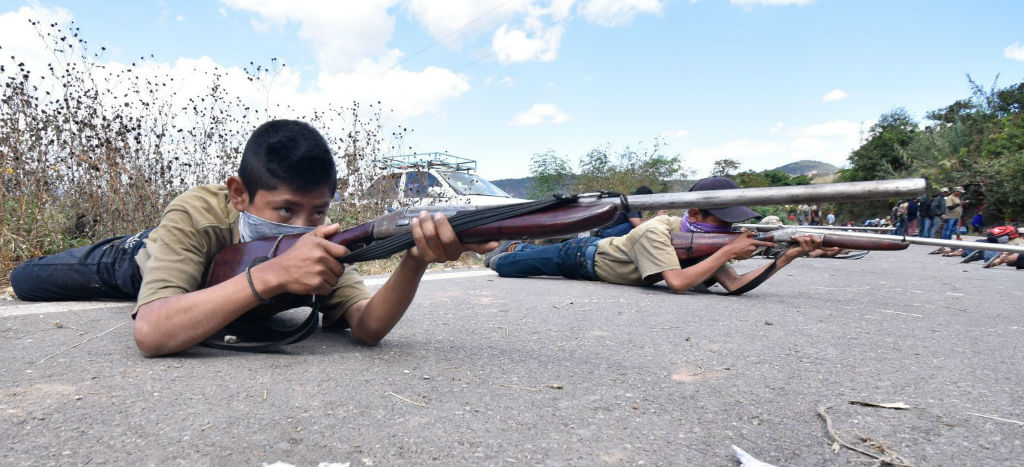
(695, 245)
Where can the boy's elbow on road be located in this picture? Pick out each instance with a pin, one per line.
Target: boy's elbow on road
(144, 339)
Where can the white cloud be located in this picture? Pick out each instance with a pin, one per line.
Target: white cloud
(749, 3)
(540, 114)
(180, 18)
(1014, 51)
(834, 95)
(613, 13)
(776, 128)
(20, 39)
(407, 93)
(521, 30)
(222, 11)
(453, 22)
(342, 33)
(507, 81)
(516, 46)
(675, 134)
(350, 40)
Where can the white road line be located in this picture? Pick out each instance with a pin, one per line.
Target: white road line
(56, 307)
(380, 280)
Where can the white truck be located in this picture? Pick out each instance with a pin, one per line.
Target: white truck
(425, 179)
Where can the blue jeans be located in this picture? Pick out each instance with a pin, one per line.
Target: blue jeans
(615, 230)
(949, 228)
(573, 259)
(926, 225)
(104, 270)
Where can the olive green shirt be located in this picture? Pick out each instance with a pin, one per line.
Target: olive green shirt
(192, 229)
(639, 257)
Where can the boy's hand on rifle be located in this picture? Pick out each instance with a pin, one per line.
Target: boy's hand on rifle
(436, 242)
(804, 244)
(308, 267)
(745, 245)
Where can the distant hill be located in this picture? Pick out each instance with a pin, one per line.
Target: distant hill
(808, 168)
(517, 187)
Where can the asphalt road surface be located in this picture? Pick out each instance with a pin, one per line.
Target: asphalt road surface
(549, 371)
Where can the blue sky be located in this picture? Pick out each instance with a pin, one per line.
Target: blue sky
(765, 82)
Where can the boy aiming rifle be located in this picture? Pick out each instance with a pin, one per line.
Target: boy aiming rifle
(646, 255)
(285, 183)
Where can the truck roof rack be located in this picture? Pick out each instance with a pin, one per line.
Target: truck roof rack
(430, 160)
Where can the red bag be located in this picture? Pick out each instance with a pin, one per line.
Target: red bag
(1002, 234)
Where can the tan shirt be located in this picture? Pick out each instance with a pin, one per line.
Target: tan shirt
(639, 257)
(953, 213)
(192, 229)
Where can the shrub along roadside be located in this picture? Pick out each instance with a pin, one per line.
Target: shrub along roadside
(91, 149)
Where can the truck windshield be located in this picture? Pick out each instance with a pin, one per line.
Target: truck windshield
(469, 184)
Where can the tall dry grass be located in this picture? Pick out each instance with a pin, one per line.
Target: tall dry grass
(89, 150)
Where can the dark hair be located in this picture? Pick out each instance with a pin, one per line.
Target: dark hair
(289, 153)
(643, 190)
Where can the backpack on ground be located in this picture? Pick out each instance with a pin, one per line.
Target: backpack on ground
(1002, 234)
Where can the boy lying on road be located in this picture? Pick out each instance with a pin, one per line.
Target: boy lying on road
(285, 183)
(646, 256)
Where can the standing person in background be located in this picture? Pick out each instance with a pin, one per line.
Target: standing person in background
(978, 220)
(911, 216)
(938, 209)
(831, 218)
(901, 218)
(951, 220)
(815, 215)
(804, 214)
(924, 207)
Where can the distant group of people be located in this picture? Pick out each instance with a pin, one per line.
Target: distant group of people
(940, 214)
(810, 214)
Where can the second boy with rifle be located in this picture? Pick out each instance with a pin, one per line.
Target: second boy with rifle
(646, 255)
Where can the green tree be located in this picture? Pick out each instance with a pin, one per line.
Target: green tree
(884, 154)
(725, 168)
(627, 170)
(551, 174)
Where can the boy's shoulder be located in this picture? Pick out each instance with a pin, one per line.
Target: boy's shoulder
(205, 205)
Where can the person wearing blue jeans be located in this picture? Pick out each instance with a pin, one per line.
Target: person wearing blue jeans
(105, 270)
(951, 221)
(573, 259)
(646, 255)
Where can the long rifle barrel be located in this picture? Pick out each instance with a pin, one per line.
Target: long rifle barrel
(770, 227)
(774, 195)
(926, 241)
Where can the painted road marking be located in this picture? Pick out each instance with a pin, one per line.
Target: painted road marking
(55, 307)
(380, 280)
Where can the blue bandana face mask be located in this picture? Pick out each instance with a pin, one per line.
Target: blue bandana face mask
(253, 227)
(686, 226)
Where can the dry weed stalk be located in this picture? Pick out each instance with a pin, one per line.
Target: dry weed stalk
(90, 149)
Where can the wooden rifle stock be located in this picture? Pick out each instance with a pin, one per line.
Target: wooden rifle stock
(697, 245)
